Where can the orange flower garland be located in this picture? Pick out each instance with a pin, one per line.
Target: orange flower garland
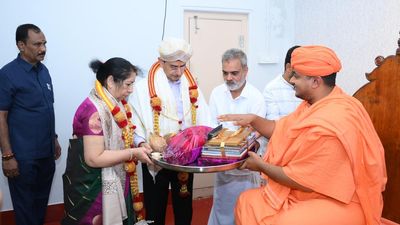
(128, 130)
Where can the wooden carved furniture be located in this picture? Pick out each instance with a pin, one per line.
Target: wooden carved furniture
(381, 99)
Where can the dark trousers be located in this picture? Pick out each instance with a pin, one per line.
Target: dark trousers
(156, 197)
(30, 190)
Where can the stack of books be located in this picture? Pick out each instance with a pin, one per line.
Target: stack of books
(231, 145)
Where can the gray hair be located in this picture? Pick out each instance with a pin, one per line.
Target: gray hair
(235, 53)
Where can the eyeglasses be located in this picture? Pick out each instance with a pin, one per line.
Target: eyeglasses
(175, 67)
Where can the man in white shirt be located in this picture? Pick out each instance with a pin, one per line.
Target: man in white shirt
(166, 102)
(237, 96)
(279, 94)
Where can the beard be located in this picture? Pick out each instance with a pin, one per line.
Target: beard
(235, 85)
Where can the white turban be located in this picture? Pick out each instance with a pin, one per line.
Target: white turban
(173, 49)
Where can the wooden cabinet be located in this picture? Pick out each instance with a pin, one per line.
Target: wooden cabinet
(381, 98)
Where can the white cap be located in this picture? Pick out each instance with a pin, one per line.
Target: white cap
(174, 49)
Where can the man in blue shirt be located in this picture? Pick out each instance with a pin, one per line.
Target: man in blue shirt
(27, 127)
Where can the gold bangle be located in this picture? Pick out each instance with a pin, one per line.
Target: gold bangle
(7, 156)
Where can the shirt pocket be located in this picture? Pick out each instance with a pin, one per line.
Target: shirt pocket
(48, 92)
(29, 96)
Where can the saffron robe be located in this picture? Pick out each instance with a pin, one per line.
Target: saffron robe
(332, 148)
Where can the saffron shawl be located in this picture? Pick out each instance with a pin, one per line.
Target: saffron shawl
(338, 116)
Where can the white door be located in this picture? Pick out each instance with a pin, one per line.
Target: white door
(210, 35)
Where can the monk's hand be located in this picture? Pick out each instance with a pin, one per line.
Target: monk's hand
(254, 162)
(243, 120)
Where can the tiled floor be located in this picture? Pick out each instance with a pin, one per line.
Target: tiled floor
(201, 211)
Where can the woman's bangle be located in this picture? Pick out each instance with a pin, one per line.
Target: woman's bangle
(131, 155)
(7, 156)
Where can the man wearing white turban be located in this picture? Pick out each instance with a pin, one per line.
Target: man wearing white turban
(167, 102)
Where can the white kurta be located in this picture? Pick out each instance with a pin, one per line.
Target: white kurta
(143, 114)
(229, 184)
(280, 98)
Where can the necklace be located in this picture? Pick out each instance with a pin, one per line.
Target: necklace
(128, 130)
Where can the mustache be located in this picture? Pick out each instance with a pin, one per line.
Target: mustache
(42, 54)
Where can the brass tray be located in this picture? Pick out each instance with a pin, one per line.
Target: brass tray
(196, 168)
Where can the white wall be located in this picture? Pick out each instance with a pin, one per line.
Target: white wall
(357, 30)
(78, 31)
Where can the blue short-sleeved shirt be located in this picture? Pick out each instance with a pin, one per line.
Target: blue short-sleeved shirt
(26, 92)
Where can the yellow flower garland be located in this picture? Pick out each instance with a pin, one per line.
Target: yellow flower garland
(128, 130)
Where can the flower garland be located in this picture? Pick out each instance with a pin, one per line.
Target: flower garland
(128, 130)
(155, 103)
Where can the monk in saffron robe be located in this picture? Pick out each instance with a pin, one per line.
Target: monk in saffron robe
(325, 162)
